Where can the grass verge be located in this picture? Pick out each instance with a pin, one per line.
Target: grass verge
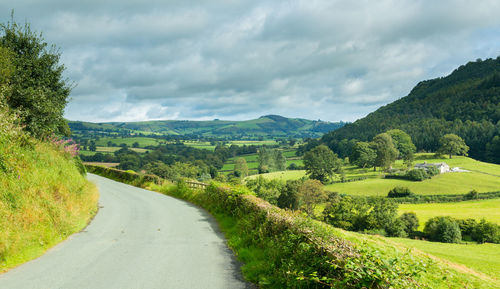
(44, 197)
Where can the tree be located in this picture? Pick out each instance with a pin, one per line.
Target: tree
(311, 194)
(240, 168)
(443, 229)
(410, 221)
(270, 160)
(386, 152)
(493, 149)
(92, 146)
(135, 145)
(321, 163)
(452, 144)
(39, 93)
(363, 155)
(404, 145)
(289, 198)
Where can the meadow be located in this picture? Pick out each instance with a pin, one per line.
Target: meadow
(487, 209)
(482, 258)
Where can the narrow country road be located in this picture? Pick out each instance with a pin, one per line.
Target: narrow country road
(139, 240)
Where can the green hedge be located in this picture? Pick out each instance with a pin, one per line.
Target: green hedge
(139, 180)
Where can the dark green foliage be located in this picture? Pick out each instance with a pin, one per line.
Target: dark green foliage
(464, 103)
(364, 214)
(385, 150)
(363, 155)
(289, 197)
(268, 190)
(486, 232)
(321, 163)
(452, 144)
(417, 175)
(443, 229)
(39, 93)
(410, 221)
(472, 195)
(400, 192)
(403, 143)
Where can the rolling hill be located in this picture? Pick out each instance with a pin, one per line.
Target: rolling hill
(269, 126)
(466, 103)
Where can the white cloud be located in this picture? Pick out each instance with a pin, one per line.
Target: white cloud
(318, 59)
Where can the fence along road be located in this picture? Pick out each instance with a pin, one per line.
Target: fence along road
(138, 239)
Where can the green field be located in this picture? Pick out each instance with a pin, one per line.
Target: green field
(285, 175)
(487, 209)
(483, 258)
(143, 141)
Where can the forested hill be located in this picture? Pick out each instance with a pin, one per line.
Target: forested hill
(268, 126)
(466, 102)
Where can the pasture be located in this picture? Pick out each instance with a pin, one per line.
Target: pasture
(482, 258)
(487, 209)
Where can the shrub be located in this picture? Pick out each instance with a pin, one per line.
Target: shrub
(432, 171)
(417, 175)
(410, 222)
(443, 229)
(486, 232)
(400, 192)
(472, 195)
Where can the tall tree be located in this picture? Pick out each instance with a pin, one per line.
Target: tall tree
(311, 194)
(240, 168)
(403, 143)
(386, 152)
(363, 155)
(452, 144)
(39, 93)
(321, 163)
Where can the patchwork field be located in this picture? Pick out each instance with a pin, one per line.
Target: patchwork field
(482, 258)
(487, 209)
(483, 177)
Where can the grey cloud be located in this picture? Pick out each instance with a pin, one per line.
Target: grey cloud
(318, 59)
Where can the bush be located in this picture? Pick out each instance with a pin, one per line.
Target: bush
(443, 229)
(400, 192)
(472, 195)
(417, 175)
(410, 222)
(486, 232)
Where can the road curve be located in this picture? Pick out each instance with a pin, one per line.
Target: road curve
(139, 239)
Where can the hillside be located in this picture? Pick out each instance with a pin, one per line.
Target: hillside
(269, 126)
(466, 103)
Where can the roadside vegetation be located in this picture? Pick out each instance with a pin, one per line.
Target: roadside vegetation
(286, 249)
(44, 194)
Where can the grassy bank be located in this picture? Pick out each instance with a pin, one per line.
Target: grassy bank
(484, 258)
(283, 249)
(44, 197)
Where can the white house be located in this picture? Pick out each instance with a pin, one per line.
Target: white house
(442, 167)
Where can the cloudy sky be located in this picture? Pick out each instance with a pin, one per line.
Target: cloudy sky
(228, 59)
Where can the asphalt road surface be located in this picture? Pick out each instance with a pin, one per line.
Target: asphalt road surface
(139, 239)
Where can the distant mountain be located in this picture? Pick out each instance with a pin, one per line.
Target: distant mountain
(269, 126)
(466, 102)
